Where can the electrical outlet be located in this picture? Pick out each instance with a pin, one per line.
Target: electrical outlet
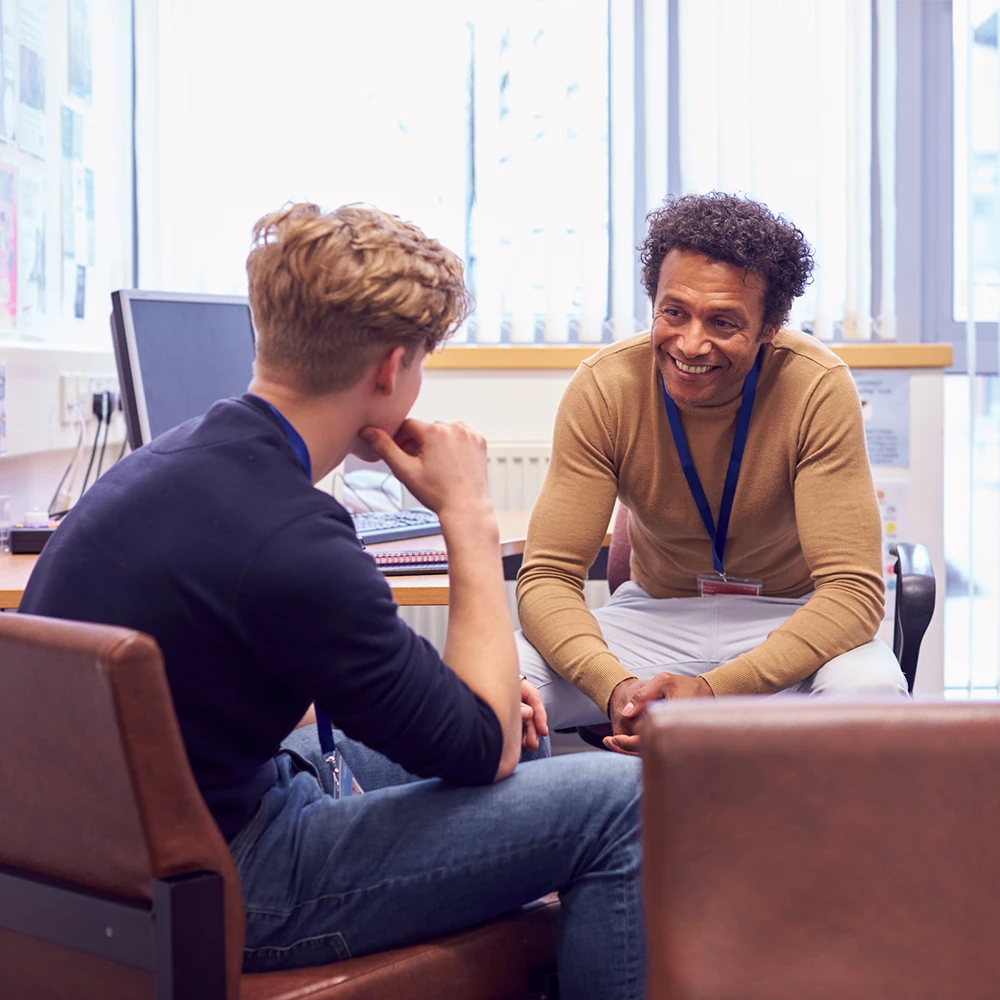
(103, 383)
(73, 390)
(77, 390)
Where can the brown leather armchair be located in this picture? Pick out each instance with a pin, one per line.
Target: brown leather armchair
(798, 848)
(115, 883)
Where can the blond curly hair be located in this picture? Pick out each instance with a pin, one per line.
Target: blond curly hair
(331, 292)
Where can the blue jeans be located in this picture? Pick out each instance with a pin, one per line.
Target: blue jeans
(327, 879)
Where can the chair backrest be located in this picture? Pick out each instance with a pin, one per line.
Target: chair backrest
(916, 592)
(807, 848)
(619, 552)
(96, 789)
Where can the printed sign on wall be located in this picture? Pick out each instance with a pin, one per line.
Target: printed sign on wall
(885, 405)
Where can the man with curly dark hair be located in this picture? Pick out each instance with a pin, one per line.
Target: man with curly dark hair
(738, 448)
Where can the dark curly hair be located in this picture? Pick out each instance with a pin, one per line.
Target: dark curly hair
(735, 231)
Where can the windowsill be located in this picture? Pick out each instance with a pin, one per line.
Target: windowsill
(54, 352)
(518, 357)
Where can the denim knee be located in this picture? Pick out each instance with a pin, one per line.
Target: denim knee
(612, 783)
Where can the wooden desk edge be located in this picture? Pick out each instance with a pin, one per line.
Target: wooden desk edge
(432, 591)
(515, 546)
(408, 591)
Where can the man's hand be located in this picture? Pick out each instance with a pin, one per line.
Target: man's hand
(629, 700)
(621, 724)
(534, 722)
(442, 465)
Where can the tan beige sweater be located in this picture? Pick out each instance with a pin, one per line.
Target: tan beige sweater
(805, 516)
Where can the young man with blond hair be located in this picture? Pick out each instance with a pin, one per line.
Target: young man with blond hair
(213, 540)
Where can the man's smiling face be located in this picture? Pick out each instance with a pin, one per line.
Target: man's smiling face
(707, 327)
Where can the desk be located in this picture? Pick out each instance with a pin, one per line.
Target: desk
(14, 573)
(432, 590)
(409, 591)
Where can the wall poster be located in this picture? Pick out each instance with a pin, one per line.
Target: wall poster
(31, 127)
(8, 71)
(8, 246)
(31, 282)
(80, 58)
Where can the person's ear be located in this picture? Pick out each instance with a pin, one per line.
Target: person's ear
(767, 335)
(387, 371)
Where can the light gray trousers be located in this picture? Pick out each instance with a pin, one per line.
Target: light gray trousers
(692, 635)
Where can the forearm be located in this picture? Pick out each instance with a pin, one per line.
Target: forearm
(480, 643)
(557, 622)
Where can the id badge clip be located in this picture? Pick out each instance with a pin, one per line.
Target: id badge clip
(713, 584)
(344, 782)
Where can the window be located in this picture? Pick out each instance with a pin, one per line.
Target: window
(972, 536)
(538, 187)
(952, 217)
(813, 137)
(948, 110)
(486, 125)
(976, 191)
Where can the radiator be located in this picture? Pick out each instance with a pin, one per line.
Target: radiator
(516, 472)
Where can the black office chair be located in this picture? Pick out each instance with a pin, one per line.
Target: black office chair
(915, 593)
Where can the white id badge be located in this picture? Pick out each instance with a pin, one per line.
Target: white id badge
(712, 584)
(344, 782)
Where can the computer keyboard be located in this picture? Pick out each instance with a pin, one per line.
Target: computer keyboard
(391, 525)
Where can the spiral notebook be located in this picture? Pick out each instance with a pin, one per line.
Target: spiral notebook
(399, 562)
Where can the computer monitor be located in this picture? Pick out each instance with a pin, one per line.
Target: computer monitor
(177, 355)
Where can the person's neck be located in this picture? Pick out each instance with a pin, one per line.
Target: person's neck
(325, 423)
(714, 405)
(733, 392)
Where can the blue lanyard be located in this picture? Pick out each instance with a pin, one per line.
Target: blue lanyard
(716, 535)
(324, 726)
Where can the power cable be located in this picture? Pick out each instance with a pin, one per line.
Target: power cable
(104, 443)
(72, 461)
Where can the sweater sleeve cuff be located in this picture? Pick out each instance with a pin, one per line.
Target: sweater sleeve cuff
(735, 677)
(600, 676)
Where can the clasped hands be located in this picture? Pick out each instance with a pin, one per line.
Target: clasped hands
(630, 698)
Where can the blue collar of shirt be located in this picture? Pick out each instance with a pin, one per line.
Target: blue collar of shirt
(294, 437)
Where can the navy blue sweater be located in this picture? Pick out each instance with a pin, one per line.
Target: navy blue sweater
(253, 583)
